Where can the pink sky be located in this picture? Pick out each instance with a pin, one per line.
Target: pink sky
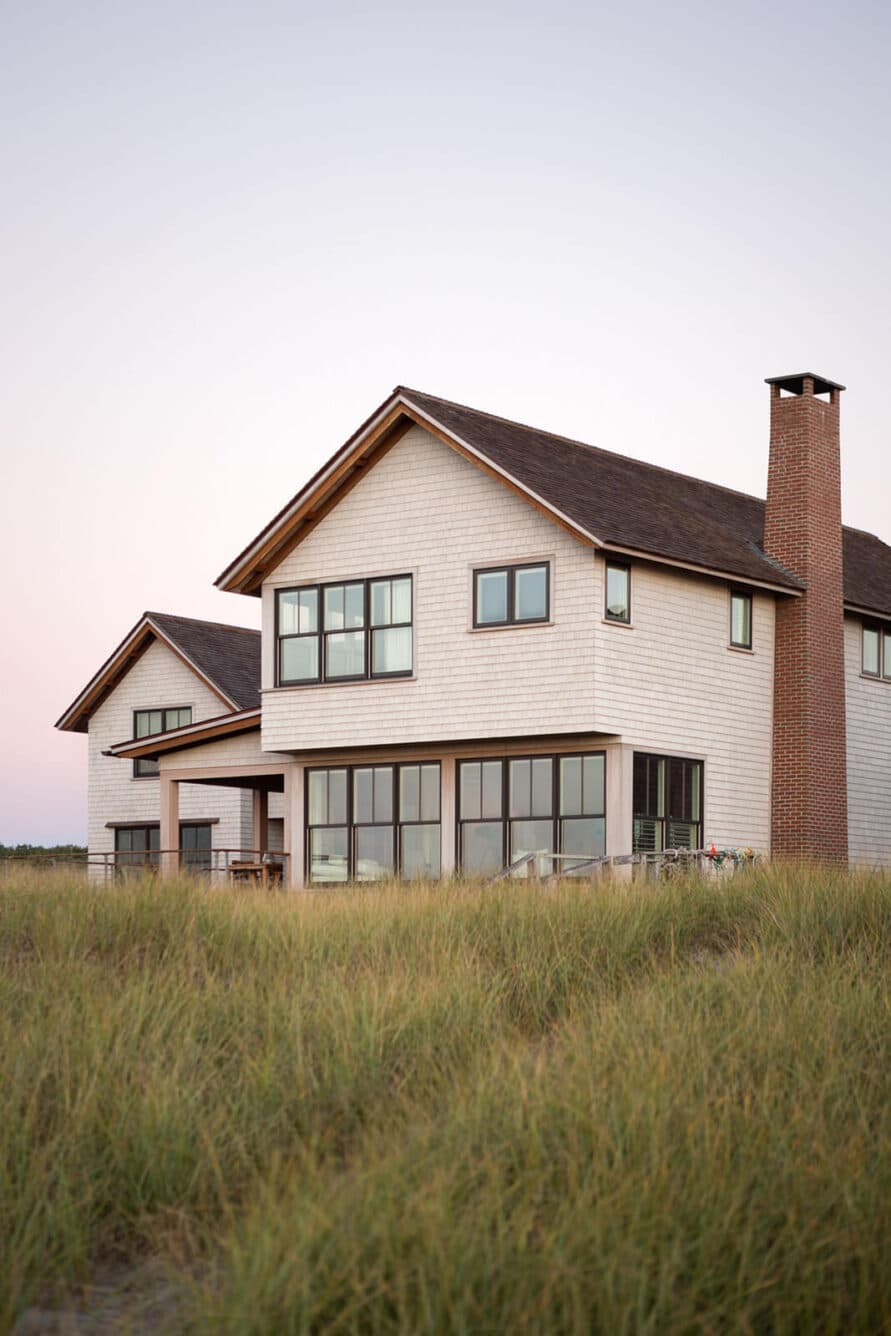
(230, 229)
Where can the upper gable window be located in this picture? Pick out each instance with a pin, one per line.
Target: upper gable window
(876, 652)
(618, 592)
(740, 620)
(344, 632)
(146, 722)
(511, 595)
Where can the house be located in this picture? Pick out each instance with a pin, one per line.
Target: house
(481, 639)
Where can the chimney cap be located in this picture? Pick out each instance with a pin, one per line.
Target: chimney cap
(795, 383)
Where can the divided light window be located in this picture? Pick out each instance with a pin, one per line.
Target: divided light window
(365, 822)
(146, 722)
(876, 660)
(511, 595)
(137, 848)
(667, 803)
(740, 620)
(344, 632)
(618, 592)
(520, 805)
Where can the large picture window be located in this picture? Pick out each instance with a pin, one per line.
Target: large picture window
(667, 803)
(146, 722)
(512, 806)
(344, 632)
(511, 595)
(365, 822)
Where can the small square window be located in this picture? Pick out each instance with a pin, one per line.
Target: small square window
(741, 620)
(618, 592)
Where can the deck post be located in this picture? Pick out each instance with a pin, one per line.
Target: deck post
(294, 823)
(620, 805)
(259, 822)
(169, 833)
(448, 769)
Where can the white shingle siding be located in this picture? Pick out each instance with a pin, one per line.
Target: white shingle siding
(158, 679)
(869, 758)
(669, 683)
(426, 510)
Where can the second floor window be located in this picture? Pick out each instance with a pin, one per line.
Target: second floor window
(618, 592)
(740, 620)
(344, 632)
(146, 722)
(876, 661)
(511, 595)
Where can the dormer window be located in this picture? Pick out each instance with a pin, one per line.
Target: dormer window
(344, 632)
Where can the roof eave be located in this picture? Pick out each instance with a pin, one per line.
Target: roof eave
(175, 739)
(237, 577)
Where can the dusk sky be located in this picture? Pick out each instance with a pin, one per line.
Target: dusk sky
(229, 229)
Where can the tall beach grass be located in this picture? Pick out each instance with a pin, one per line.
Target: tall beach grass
(608, 1108)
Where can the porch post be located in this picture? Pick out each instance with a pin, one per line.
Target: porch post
(169, 833)
(294, 822)
(259, 821)
(448, 769)
(619, 802)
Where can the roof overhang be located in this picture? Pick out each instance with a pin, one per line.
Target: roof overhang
(747, 580)
(190, 735)
(77, 717)
(375, 437)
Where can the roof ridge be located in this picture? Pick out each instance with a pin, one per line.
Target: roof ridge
(581, 445)
(200, 621)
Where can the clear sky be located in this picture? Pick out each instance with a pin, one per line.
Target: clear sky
(229, 228)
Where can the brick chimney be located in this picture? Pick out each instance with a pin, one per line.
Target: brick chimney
(803, 531)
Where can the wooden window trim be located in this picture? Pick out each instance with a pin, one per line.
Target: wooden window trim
(322, 634)
(510, 570)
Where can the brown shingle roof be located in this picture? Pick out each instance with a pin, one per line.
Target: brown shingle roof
(228, 655)
(627, 503)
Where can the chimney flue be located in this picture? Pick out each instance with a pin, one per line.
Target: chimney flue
(803, 531)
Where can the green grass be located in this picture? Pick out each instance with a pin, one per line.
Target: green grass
(592, 1108)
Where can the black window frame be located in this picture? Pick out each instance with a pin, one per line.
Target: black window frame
(882, 631)
(152, 856)
(625, 566)
(556, 818)
(350, 824)
(163, 710)
(745, 594)
(322, 633)
(668, 818)
(510, 570)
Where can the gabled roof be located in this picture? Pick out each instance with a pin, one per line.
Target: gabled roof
(606, 500)
(226, 658)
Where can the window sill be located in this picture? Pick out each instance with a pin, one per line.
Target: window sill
(509, 626)
(874, 677)
(740, 649)
(614, 621)
(394, 681)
